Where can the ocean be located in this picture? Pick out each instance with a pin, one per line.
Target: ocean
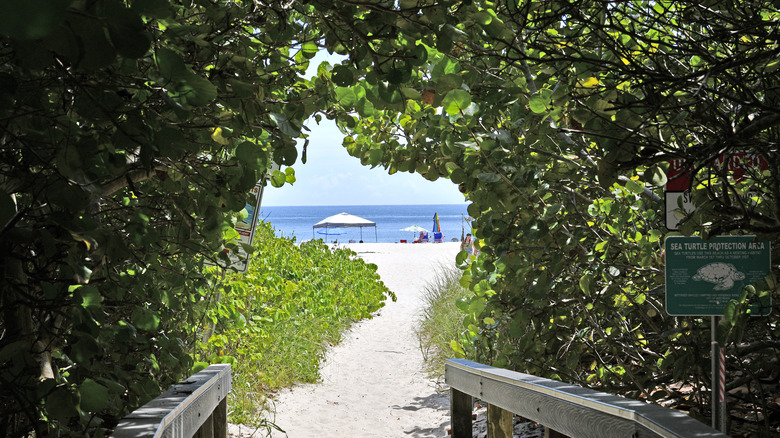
(297, 222)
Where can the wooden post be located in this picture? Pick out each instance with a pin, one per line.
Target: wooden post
(220, 420)
(500, 422)
(460, 414)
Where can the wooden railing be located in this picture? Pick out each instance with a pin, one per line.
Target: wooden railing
(564, 409)
(196, 407)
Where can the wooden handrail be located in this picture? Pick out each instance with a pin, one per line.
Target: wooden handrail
(195, 407)
(567, 409)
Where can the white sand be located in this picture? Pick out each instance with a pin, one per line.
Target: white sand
(373, 383)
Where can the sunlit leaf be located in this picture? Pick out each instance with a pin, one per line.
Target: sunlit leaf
(634, 186)
(456, 101)
(590, 82)
(587, 283)
(216, 135)
(89, 295)
(309, 49)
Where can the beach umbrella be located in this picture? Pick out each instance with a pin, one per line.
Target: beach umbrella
(414, 229)
(436, 226)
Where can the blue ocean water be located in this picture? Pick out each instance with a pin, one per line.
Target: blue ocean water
(390, 219)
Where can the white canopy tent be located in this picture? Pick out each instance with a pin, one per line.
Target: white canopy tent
(345, 220)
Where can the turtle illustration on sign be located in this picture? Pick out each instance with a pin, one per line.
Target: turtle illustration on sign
(722, 274)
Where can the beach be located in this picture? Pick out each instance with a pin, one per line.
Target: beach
(373, 382)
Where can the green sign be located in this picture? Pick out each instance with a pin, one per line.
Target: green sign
(703, 275)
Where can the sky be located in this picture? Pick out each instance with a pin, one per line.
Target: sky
(332, 177)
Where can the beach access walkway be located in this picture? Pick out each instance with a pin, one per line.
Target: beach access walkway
(373, 383)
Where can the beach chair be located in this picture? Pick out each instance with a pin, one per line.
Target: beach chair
(423, 237)
(437, 238)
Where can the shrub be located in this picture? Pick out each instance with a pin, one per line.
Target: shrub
(275, 322)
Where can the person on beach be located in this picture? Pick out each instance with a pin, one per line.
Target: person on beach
(467, 244)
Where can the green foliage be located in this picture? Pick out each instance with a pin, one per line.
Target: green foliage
(131, 132)
(558, 120)
(275, 322)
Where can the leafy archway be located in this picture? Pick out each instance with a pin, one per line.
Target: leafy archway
(131, 132)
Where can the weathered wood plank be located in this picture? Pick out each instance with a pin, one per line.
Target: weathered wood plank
(182, 409)
(570, 409)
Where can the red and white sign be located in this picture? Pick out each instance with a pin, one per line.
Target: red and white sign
(680, 180)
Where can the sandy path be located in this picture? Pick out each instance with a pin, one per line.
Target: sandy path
(372, 383)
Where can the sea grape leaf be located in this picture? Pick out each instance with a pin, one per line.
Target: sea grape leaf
(456, 101)
(656, 176)
(342, 76)
(170, 64)
(61, 404)
(94, 396)
(345, 96)
(199, 366)
(198, 91)
(283, 123)
(286, 155)
(84, 349)
(217, 136)
(462, 304)
(309, 50)
(587, 283)
(248, 152)
(278, 178)
(477, 305)
(145, 319)
(89, 295)
(539, 104)
(634, 187)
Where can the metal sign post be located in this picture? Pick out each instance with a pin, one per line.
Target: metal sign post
(719, 407)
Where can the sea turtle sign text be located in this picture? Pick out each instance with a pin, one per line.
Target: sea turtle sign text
(703, 275)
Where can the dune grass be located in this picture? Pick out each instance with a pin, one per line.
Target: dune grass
(441, 323)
